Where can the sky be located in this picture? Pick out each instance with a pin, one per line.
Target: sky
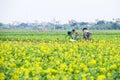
(60, 10)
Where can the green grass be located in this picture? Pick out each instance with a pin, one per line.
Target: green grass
(36, 35)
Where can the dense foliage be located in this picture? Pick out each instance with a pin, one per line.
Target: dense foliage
(35, 55)
(99, 25)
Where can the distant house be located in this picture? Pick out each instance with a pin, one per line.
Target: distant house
(118, 20)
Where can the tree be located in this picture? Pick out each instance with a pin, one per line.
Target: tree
(84, 23)
(1, 24)
(101, 22)
(115, 26)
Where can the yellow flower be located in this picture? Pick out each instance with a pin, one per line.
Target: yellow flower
(15, 77)
(66, 54)
(51, 58)
(92, 62)
(57, 62)
(100, 63)
(108, 74)
(102, 69)
(92, 78)
(63, 66)
(100, 56)
(27, 71)
(64, 78)
(77, 71)
(39, 68)
(12, 65)
(114, 66)
(101, 77)
(49, 70)
(35, 78)
(85, 68)
(2, 76)
(70, 69)
(83, 77)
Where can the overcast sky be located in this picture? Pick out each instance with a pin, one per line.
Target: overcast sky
(62, 10)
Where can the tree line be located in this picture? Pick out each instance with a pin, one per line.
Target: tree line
(98, 25)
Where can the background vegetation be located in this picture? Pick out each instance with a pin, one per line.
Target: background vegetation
(56, 25)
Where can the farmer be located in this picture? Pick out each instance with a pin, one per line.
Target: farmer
(72, 34)
(86, 34)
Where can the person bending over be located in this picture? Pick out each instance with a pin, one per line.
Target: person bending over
(86, 34)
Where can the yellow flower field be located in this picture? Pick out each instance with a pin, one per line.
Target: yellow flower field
(54, 60)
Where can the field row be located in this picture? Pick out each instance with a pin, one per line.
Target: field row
(36, 35)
